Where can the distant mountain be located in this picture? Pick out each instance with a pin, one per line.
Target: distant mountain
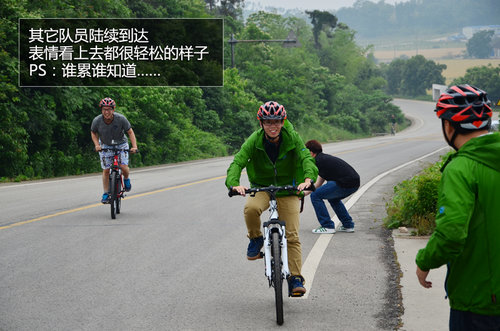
(423, 17)
(252, 7)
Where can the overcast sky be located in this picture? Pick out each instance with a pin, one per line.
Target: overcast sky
(314, 4)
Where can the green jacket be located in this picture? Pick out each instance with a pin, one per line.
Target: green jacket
(467, 234)
(293, 165)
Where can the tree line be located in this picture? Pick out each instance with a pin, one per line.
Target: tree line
(331, 87)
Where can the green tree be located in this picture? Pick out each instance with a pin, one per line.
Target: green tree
(322, 21)
(412, 77)
(341, 54)
(235, 107)
(225, 8)
(479, 46)
(394, 75)
(52, 125)
(163, 121)
(486, 78)
(273, 25)
(419, 74)
(370, 76)
(13, 135)
(330, 93)
(339, 79)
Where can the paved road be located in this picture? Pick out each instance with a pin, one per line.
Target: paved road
(175, 258)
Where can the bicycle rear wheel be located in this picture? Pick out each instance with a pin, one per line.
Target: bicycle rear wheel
(112, 195)
(277, 277)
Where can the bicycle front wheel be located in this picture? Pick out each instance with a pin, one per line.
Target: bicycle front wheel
(112, 195)
(277, 277)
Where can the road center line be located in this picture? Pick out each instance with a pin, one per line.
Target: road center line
(313, 259)
(99, 204)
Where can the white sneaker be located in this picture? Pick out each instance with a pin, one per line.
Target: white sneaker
(342, 229)
(323, 230)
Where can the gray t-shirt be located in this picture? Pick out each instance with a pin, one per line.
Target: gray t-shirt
(113, 133)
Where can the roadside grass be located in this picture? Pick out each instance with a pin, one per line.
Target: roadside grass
(413, 204)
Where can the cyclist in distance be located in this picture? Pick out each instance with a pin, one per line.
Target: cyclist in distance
(274, 155)
(108, 130)
(467, 232)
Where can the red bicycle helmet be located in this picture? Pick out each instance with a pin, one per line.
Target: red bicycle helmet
(271, 110)
(466, 107)
(107, 102)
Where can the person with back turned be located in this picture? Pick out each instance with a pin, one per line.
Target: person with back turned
(467, 233)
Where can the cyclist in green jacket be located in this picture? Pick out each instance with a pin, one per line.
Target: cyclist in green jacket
(467, 234)
(274, 155)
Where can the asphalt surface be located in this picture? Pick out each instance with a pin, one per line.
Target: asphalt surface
(174, 258)
(409, 306)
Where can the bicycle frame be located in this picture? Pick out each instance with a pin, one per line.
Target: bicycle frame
(116, 185)
(115, 168)
(275, 245)
(274, 224)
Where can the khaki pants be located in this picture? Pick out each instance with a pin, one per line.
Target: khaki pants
(288, 210)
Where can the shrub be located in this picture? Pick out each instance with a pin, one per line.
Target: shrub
(414, 202)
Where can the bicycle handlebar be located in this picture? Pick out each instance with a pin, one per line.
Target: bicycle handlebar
(116, 150)
(272, 189)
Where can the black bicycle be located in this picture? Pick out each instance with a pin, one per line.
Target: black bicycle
(116, 187)
(275, 245)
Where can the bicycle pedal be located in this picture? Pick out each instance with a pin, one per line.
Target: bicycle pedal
(261, 254)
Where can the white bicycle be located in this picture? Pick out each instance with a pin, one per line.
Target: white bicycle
(275, 245)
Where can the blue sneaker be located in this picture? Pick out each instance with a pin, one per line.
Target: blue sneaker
(296, 286)
(105, 198)
(253, 251)
(127, 184)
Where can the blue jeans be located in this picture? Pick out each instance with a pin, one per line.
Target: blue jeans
(467, 321)
(334, 194)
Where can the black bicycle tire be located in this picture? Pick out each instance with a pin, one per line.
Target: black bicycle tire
(112, 195)
(277, 279)
(118, 201)
(118, 204)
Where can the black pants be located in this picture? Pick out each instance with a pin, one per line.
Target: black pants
(467, 321)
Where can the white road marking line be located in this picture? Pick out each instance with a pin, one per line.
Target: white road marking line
(312, 261)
